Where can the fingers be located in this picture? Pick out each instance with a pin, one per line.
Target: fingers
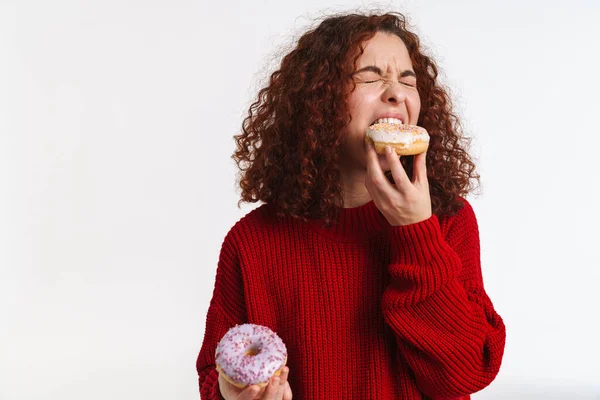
(398, 172)
(248, 393)
(376, 182)
(287, 393)
(277, 389)
(283, 383)
(229, 391)
(276, 386)
(420, 169)
(373, 166)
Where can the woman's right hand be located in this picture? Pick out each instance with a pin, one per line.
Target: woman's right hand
(277, 389)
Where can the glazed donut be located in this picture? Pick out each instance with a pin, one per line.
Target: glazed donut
(405, 139)
(250, 354)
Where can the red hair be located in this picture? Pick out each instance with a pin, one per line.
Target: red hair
(288, 151)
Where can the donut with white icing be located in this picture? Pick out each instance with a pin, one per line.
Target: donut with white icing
(405, 139)
(250, 354)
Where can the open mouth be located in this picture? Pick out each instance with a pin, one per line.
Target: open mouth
(388, 121)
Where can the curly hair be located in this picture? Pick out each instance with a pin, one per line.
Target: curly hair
(288, 151)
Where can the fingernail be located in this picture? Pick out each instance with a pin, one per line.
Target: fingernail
(388, 149)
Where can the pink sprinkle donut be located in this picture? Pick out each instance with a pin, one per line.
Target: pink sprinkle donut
(250, 354)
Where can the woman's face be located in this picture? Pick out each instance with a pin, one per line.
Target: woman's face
(386, 85)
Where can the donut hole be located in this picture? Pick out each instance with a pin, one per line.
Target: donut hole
(252, 351)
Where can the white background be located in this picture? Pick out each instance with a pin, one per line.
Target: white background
(117, 187)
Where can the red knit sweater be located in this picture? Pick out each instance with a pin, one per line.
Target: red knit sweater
(366, 310)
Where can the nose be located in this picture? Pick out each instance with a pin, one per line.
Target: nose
(394, 92)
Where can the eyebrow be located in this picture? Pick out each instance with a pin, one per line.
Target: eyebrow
(377, 70)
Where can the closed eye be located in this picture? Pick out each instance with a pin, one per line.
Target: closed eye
(404, 83)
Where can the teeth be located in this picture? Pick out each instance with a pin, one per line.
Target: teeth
(388, 120)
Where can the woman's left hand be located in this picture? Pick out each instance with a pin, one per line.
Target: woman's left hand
(404, 202)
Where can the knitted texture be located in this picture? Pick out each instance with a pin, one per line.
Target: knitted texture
(367, 310)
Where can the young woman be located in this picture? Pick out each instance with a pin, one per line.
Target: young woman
(366, 265)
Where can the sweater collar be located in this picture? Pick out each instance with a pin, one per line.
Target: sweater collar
(355, 224)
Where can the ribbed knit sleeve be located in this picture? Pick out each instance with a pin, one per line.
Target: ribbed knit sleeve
(446, 326)
(226, 309)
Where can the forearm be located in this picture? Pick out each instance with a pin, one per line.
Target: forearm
(447, 327)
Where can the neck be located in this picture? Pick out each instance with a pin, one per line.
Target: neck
(354, 191)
